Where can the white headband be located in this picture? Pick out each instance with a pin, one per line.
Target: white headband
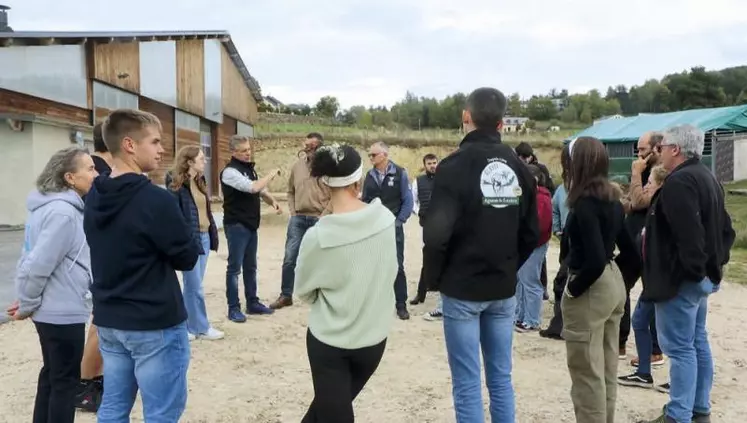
(343, 181)
(570, 146)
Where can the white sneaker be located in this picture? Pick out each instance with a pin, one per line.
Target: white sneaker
(212, 335)
(434, 315)
(191, 337)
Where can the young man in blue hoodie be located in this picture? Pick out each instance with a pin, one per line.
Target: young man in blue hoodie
(138, 240)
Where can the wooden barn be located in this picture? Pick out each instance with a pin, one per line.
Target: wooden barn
(54, 86)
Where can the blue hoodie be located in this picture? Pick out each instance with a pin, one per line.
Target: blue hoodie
(138, 240)
(54, 272)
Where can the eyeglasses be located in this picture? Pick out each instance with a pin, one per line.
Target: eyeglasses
(660, 147)
(372, 155)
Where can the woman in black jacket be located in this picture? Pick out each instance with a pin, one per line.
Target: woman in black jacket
(187, 182)
(594, 297)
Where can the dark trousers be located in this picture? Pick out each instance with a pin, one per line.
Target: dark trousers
(543, 275)
(400, 283)
(625, 327)
(62, 352)
(556, 323)
(339, 375)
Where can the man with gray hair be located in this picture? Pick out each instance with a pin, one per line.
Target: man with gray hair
(686, 243)
(390, 183)
(242, 189)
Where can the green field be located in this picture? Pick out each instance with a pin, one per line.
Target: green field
(402, 137)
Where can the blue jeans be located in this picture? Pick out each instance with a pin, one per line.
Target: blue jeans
(681, 324)
(468, 327)
(242, 258)
(297, 227)
(643, 316)
(400, 282)
(155, 362)
(529, 289)
(194, 296)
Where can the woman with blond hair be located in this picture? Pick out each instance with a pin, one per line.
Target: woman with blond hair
(53, 277)
(187, 182)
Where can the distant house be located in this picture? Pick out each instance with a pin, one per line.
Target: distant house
(272, 103)
(559, 103)
(513, 124)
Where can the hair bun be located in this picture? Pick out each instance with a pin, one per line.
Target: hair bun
(335, 160)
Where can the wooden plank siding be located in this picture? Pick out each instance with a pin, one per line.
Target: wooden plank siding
(238, 101)
(185, 137)
(221, 150)
(22, 104)
(166, 115)
(190, 76)
(118, 64)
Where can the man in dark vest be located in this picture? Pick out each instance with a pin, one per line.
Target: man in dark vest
(390, 183)
(242, 189)
(421, 193)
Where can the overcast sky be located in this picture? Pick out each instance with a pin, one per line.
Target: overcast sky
(372, 52)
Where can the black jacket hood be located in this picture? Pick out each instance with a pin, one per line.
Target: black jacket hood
(109, 196)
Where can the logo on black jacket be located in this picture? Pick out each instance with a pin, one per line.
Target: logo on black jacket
(499, 185)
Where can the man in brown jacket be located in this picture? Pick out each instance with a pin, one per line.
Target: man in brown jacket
(636, 206)
(307, 200)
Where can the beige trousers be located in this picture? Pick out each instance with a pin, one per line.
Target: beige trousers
(591, 331)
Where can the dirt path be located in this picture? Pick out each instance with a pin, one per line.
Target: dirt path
(259, 373)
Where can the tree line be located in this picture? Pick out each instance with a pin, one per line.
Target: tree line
(693, 89)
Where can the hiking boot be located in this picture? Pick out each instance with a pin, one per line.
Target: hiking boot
(701, 418)
(638, 380)
(402, 313)
(90, 394)
(657, 360)
(545, 333)
(235, 315)
(281, 302)
(433, 315)
(258, 308)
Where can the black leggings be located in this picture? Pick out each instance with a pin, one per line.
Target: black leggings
(339, 375)
(62, 352)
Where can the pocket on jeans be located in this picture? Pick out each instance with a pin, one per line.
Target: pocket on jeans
(577, 347)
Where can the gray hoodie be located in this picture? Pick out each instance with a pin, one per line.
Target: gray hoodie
(54, 272)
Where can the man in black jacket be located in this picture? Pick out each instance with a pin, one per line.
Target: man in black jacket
(421, 194)
(481, 227)
(686, 243)
(138, 239)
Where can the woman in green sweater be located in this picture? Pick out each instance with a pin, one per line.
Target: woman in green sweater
(346, 268)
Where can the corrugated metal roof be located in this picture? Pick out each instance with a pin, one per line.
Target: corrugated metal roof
(139, 36)
(732, 118)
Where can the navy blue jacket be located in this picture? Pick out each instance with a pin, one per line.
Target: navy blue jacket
(189, 210)
(138, 239)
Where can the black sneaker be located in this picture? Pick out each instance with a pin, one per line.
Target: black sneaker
(525, 328)
(663, 388)
(637, 379)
